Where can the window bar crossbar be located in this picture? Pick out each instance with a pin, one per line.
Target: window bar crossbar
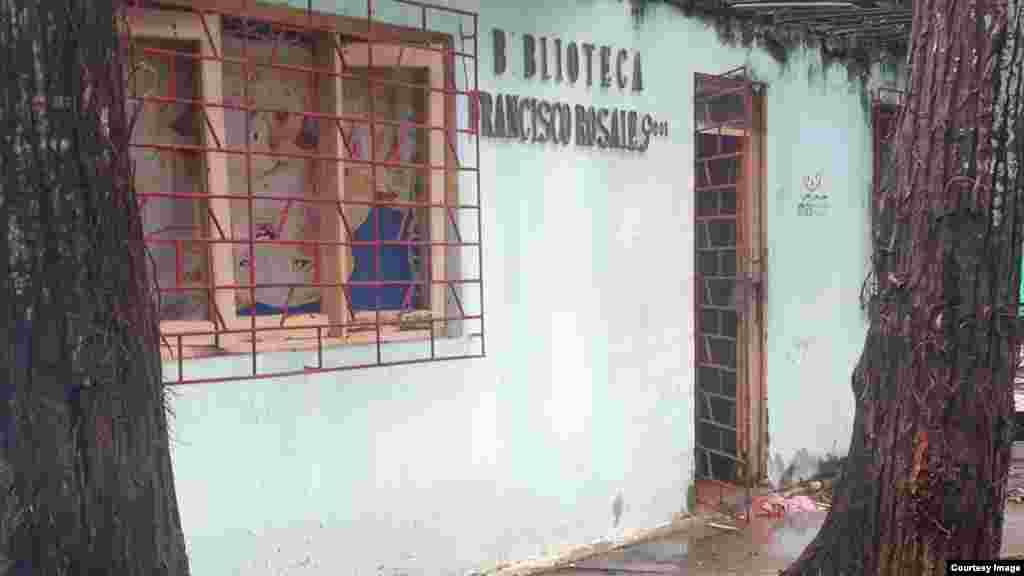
(305, 156)
(353, 118)
(718, 424)
(374, 35)
(309, 370)
(269, 197)
(290, 329)
(356, 283)
(252, 24)
(289, 242)
(726, 455)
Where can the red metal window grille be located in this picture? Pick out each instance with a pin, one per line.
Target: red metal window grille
(309, 183)
(885, 110)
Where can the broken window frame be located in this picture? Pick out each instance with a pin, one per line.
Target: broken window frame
(336, 38)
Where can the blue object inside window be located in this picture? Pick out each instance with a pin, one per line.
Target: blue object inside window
(261, 309)
(395, 264)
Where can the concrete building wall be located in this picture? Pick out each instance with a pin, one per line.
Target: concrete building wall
(817, 265)
(586, 392)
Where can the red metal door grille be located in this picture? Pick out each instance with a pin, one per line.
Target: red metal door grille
(308, 183)
(723, 123)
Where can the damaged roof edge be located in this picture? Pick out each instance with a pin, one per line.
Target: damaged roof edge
(854, 33)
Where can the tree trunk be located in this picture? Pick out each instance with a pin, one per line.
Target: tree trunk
(925, 478)
(88, 486)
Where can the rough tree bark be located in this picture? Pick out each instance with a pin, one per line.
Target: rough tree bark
(926, 474)
(88, 484)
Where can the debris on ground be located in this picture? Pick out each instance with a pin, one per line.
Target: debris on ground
(800, 503)
(770, 505)
(809, 496)
(1015, 483)
(1016, 495)
(726, 527)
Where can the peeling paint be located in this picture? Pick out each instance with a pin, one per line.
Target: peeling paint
(617, 509)
(802, 466)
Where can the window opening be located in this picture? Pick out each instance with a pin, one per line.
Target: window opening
(308, 182)
(178, 264)
(885, 113)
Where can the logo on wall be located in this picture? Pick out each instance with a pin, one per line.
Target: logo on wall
(528, 119)
(815, 200)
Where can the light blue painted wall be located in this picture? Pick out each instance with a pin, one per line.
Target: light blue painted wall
(587, 388)
(817, 265)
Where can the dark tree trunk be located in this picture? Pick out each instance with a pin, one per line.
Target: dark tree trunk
(926, 475)
(87, 481)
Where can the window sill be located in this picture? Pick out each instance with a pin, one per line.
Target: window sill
(298, 333)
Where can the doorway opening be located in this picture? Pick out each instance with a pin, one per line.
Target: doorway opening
(729, 259)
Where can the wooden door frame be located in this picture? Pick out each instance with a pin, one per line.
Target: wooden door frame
(753, 265)
(750, 423)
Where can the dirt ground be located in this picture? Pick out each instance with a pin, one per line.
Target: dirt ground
(763, 547)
